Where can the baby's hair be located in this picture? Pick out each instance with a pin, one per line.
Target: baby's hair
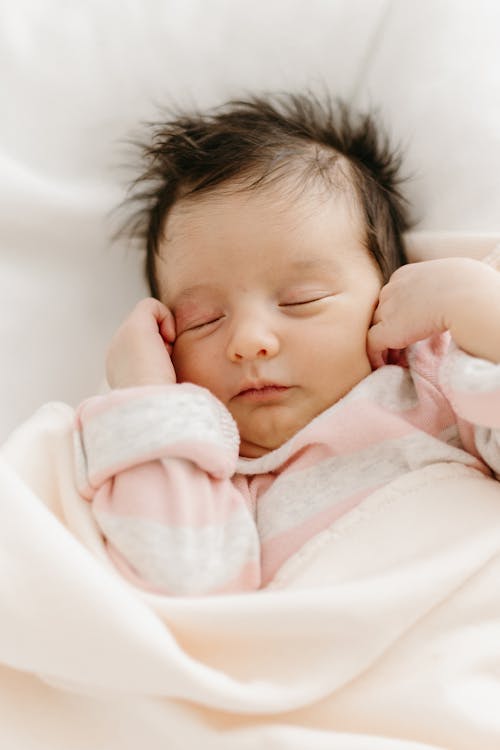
(247, 143)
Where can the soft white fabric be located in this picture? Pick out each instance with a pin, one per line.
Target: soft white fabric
(434, 75)
(78, 77)
(381, 633)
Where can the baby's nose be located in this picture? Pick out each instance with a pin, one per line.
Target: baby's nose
(252, 341)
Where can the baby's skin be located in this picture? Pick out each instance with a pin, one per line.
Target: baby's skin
(277, 307)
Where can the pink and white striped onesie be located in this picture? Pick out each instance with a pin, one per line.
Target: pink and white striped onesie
(182, 514)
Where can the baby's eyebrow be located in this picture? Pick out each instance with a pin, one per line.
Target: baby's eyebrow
(312, 264)
(326, 267)
(296, 265)
(190, 292)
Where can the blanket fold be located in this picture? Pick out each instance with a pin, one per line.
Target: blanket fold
(382, 631)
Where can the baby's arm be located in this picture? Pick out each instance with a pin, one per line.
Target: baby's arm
(462, 296)
(157, 463)
(456, 294)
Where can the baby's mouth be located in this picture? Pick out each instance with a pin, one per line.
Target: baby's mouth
(267, 392)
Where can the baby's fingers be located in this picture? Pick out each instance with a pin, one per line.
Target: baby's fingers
(166, 325)
(384, 344)
(376, 348)
(151, 308)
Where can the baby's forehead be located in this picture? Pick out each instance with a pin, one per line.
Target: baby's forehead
(224, 232)
(276, 207)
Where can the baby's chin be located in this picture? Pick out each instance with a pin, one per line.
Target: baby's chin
(255, 443)
(267, 428)
(253, 450)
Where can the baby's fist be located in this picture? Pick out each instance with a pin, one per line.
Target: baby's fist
(139, 353)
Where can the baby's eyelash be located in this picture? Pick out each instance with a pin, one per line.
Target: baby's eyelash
(283, 304)
(200, 325)
(302, 302)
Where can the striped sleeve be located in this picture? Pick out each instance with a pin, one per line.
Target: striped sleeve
(472, 386)
(157, 465)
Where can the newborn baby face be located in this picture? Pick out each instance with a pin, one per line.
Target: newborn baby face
(272, 298)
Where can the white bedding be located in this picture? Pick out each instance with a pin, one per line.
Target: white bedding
(76, 78)
(85, 660)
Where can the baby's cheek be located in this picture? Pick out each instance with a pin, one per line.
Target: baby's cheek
(181, 360)
(190, 363)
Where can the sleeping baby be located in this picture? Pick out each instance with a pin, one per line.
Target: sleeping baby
(289, 363)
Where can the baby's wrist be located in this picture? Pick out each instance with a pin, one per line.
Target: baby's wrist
(474, 312)
(139, 381)
(152, 381)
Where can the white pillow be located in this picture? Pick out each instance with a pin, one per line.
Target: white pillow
(435, 75)
(426, 245)
(78, 77)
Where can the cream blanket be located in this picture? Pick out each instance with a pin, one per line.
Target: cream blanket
(382, 633)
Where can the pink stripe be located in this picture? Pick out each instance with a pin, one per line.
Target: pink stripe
(433, 413)
(210, 457)
(374, 425)
(427, 356)
(276, 550)
(429, 419)
(170, 493)
(479, 408)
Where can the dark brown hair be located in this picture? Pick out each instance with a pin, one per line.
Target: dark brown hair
(262, 138)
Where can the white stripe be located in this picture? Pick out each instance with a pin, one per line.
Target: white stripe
(142, 426)
(297, 496)
(184, 560)
(470, 374)
(488, 445)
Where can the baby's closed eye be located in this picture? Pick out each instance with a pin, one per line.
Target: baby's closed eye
(302, 302)
(197, 324)
(304, 299)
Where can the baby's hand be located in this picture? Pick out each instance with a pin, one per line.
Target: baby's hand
(457, 294)
(140, 350)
